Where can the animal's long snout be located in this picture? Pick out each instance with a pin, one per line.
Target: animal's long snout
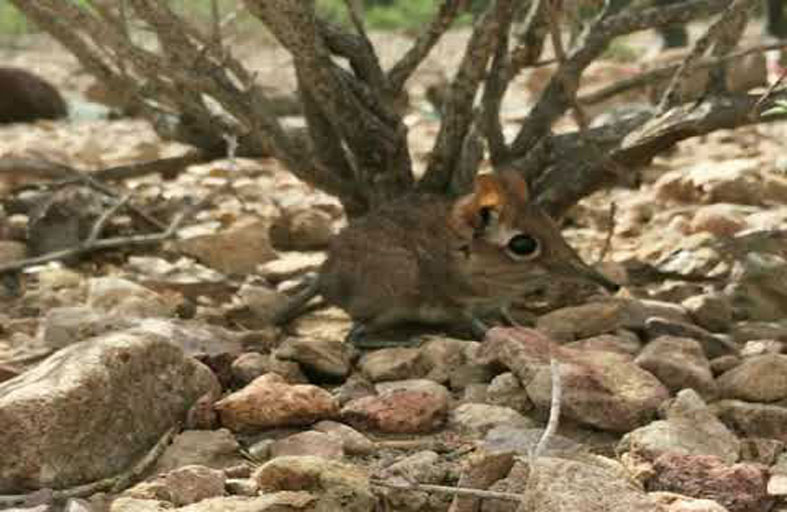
(585, 272)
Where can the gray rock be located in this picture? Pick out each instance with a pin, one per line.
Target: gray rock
(353, 442)
(274, 502)
(714, 345)
(248, 366)
(478, 419)
(324, 359)
(678, 363)
(753, 419)
(336, 485)
(191, 484)
(592, 319)
(126, 298)
(443, 356)
(690, 428)
(746, 331)
(66, 325)
(310, 442)
(215, 449)
(66, 416)
(711, 311)
(505, 390)
(302, 230)
(758, 379)
(235, 250)
(126, 504)
(262, 302)
(560, 485)
(392, 364)
(619, 343)
(724, 364)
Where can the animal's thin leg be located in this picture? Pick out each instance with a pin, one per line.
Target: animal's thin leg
(508, 318)
(478, 328)
(358, 337)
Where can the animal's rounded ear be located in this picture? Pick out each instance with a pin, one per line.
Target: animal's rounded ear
(516, 183)
(488, 191)
(474, 212)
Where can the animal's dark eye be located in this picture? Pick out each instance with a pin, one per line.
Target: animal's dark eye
(486, 216)
(524, 246)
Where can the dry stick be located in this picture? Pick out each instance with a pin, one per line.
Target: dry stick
(767, 94)
(613, 207)
(647, 77)
(112, 484)
(115, 242)
(453, 491)
(672, 95)
(554, 408)
(442, 20)
(65, 175)
(98, 226)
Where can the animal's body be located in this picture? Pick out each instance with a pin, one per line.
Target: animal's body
(25, 97)
(434, 260)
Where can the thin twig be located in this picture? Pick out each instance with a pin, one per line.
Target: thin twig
(405, 67)
(648, 77)
(98, 226)
(767, 94)
(453, 491)
(115, 242)
(113, 484)
(672, 94)
(613, 207)
(554, 408)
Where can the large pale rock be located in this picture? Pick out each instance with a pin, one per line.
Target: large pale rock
(337, 486)
(269, 402)
(678, 363)
(600, 485)
(758, 379)
(91, 409)
(235, 250)
(602, 389)
(690, 428)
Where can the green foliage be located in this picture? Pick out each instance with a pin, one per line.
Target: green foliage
(780, 108)
(402, 14)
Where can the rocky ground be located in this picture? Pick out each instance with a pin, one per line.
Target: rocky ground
(152, 379)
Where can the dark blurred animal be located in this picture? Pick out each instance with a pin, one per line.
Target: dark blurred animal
(25, 97)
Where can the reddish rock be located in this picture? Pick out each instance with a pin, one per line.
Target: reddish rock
(25, 97)
(269, 402)
(738, 487)
(398, 411)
